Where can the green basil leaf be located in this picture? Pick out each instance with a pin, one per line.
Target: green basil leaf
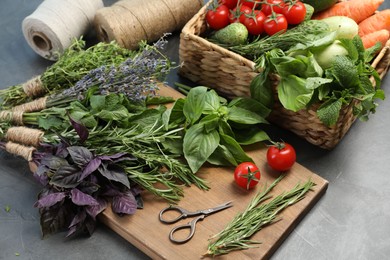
(251, 105)
(222, 157)
(250, 136)
(225, 128)
(243, 116)
(210, 122)
(199, 145)
(211, 102)
(194, 104)
(235, 149)
(261, 89)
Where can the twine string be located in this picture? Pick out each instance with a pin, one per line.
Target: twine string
(24, 135)
(23, 151)
(34, 87)
(52, 27)
(130, 21)
(32, 106)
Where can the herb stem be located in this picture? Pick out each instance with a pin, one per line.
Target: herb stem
(236, 235)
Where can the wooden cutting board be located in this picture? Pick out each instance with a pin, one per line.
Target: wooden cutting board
(145, 231)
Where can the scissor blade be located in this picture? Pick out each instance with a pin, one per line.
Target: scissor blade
(217, 208)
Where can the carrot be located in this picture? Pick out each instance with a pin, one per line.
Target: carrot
(376, 22)
(358, 10)
(371, 39)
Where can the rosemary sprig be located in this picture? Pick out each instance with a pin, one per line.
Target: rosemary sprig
(237, 234)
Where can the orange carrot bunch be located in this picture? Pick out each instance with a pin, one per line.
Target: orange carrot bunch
(358, 10)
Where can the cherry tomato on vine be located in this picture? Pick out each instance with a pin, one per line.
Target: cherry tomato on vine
(255, 22)
(281, 156)
(238, 13)
(273, 5)
(247, 175)
(229, 3)
(275, 23)
(295, 12)
(218, 18)
(250, 3)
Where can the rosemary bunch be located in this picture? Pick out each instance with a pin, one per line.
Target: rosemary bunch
(72, 65)
(304, 33)
(237, 234)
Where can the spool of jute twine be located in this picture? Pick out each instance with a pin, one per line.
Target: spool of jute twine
(130, 21)
(24, 135)
(23, 151)
(50, 29)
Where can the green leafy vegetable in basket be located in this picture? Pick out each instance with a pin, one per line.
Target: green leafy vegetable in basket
(329, 71)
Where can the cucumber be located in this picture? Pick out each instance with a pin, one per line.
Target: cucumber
(233, 34)
(320, 5)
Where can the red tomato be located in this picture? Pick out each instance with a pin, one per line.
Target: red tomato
(281, 156)
(229, 3)
(255, 22)
(273, 5)
(247, 175)
(250, 3)
(238, 14)
(218, 18)
(275, 23)
(295, 13)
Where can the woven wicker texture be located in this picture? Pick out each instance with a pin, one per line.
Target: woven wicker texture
(230, 74)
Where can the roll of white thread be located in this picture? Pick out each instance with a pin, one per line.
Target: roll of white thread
(52, 27)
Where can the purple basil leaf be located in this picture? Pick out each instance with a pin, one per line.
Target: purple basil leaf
(53, 162)
(50, 199)
(82, 199)
(54, 219)
(62, 150)
(80, 155)
(88, 187)
(77, 222)
(78, 218)
(92, 166)
(41, 175)
(95, 210)
(124, 204)
(111, 191)
(66, 176)
(114, 173)
(140, 202)
(81, 130)
(90, 225)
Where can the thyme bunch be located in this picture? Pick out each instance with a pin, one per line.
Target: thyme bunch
(236, 235)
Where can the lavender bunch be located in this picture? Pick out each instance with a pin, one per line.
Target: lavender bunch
(137, 77)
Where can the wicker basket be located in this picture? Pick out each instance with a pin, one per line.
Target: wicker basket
(230, 75)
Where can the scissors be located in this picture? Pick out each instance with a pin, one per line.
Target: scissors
(201, 214)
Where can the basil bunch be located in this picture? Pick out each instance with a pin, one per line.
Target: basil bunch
(215, 129)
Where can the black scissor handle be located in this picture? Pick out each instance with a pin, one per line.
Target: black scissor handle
(183, 214)
(191, 225)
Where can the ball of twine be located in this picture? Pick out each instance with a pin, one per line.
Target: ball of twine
(52, 27)
(130, 21)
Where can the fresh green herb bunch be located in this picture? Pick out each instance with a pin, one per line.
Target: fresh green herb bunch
(258, 214)
(136, 77)
(72, 65)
